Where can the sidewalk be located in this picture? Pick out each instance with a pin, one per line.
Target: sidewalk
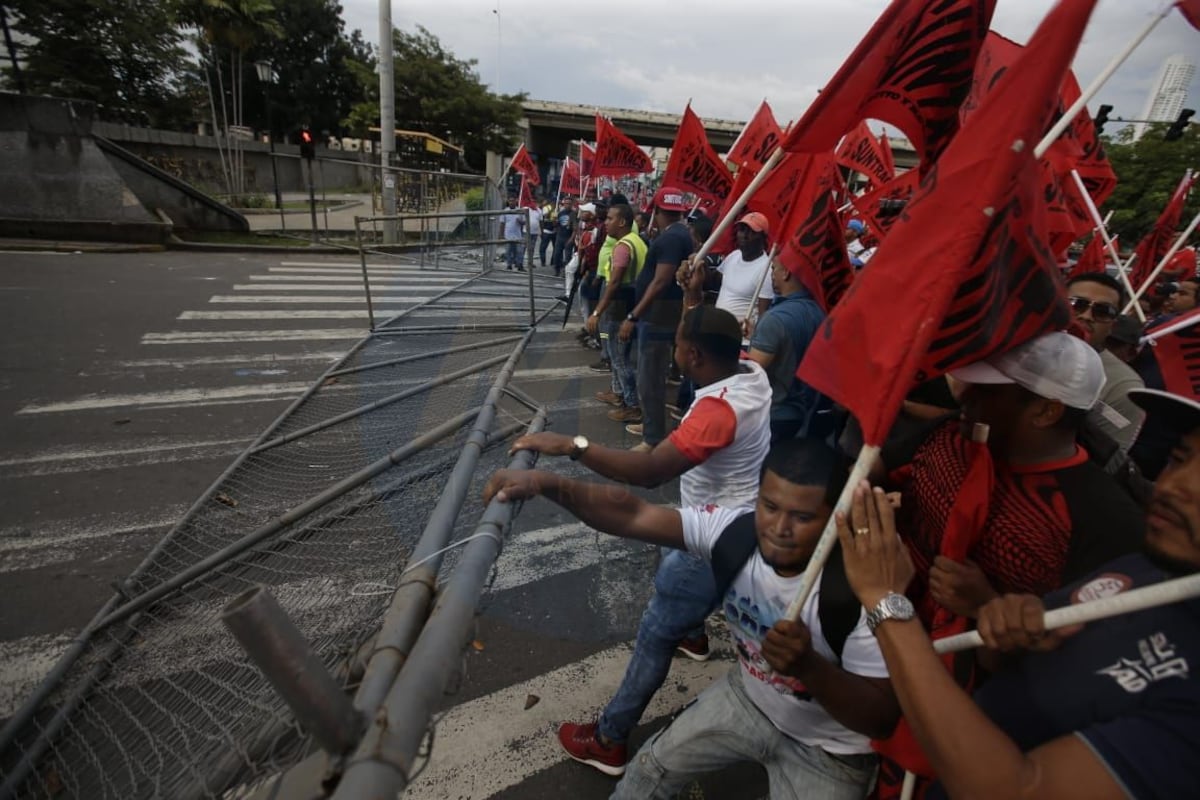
(340, 217)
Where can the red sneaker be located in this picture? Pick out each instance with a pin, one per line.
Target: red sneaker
(582, 743)
(696, 648)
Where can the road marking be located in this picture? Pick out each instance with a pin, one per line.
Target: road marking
(223, 337)
(347, 286)
(371, 270)
(268, 360)
(23, 664)
(62, 461)
(26, 547)
(475, 742)
(93, 402)
(353, 298)
(351, 278)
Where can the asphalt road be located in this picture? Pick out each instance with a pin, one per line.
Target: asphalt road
(128, 382)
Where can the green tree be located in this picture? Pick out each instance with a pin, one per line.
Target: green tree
(1148, 171)
(440, 94)
(131, 63)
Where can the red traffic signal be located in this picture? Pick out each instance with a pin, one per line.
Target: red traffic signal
(307, 149)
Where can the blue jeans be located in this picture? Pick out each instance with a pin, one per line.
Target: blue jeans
(654, 347)
(624, 361)
(684, 594)
(724, 727)
(513, 253)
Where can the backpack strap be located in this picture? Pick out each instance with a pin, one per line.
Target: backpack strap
(837, 608)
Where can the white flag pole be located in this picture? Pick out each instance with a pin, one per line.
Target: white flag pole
(1175, 248)
(761, 280)
(1186, 321)
(1108, 242)
(1158, 594)
(1094, 86)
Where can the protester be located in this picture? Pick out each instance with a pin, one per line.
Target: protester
(514, 235)
(547, 231)
(855, 229)
(1182, 297)
(1096, 300)
(741, 273)
(564, 231)
(1124, 340)
(798, 703)
(656, 312)
(1109, 711)
(626, 258)
(778, 344)
(716, 453)
(533, 227)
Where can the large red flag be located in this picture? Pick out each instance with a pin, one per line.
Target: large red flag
(814, 249)
(1092, 258)
(912, 70)
(1088, 158)
(1177, 350)
(965, 273)
(879, 207)
(616, 154)
(1155, 244)
(778, 196)
(861, 152)
(526, 199)
(587, 159)
(1191, 11)
(757, 140)
(523, 164)
(694, 166)
(569, 181)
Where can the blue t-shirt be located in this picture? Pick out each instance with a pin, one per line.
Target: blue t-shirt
(785, 331)
(1123, 685)
(672, 246)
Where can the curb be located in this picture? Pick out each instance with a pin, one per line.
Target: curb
(46, 246)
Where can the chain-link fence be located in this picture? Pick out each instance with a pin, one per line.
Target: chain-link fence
(155, 698)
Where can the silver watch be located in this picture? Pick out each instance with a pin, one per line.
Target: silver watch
(892, 606)
(579, 447)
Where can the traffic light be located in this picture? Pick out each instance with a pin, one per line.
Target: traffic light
(306, 144)
(1175, 132)
(1101, 118)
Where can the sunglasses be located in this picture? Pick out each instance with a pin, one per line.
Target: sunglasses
(1101, 312)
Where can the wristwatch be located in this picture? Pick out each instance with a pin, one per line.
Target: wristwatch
(580, 445)
(631, 317)
(892, 606)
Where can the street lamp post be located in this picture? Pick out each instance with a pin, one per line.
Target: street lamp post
(264, 77)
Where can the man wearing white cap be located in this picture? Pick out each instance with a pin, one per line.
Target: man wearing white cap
(1030, 511)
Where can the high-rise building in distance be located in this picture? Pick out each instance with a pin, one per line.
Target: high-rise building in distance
(1169, 94)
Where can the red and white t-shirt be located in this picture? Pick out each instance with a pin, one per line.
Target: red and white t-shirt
(726, 434)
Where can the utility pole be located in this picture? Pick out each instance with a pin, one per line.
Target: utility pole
(387, 117)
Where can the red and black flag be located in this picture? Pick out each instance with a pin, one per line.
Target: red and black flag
(1177, 350)
(523, 165)
(814, 247)
(1191, 11)
(616, 154)
(880, 207)
(526, 199)
(694, 166)
(1092, 259)
(569, 181)
(1155, 244)
(863, 153)
(912, 70)
(757, 141)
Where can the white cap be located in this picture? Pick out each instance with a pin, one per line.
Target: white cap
(588, 207)
(1056, 366)
(1179, 413)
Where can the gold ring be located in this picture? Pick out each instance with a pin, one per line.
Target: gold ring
(861, 531)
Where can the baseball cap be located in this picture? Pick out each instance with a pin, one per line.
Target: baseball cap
(1056, 366)
(755, 222)
(668, 198)
(1126, 329)
(1179, 413)
(587, 208)
(857, 226)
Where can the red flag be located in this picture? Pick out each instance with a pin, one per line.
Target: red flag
(778, 196)
(1182, 264)
(885, 147)
(1177, 350)
(861, 152)
(1191, 11)
(523, 164)
(965, 272)
(1091, 259)
(878, 207)
(526, 199)
(1091, 162)
(694, 166)
(587, 159)
(616, 154)
(913, 69)
(1155, 244)
(815, 248)
(570, 182)
(757, 140)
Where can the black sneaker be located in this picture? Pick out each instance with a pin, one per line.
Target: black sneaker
(603, 365)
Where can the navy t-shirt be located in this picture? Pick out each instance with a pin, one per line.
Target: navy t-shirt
(1123, 685)
(671, 246)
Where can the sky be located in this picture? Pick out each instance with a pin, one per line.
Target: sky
(727, 56)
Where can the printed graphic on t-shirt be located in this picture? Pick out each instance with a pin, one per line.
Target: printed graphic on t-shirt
(749, 623)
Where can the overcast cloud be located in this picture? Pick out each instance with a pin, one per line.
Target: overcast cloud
(727, 56)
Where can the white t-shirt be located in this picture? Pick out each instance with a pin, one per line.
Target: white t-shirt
(756, 600)
(738, 282)
(514, 228)
(535, 221)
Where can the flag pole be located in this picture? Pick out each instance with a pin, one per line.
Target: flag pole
(1152, 596)
(761, 280)
(1094, 87)
(1186, 321)
(738, 205)
(1108, 242)
(1175, 248)
(816, 562)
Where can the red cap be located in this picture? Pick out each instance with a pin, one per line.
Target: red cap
(668, 198)
(755, 222)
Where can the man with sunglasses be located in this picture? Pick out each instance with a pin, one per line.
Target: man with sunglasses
(1096, 301)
